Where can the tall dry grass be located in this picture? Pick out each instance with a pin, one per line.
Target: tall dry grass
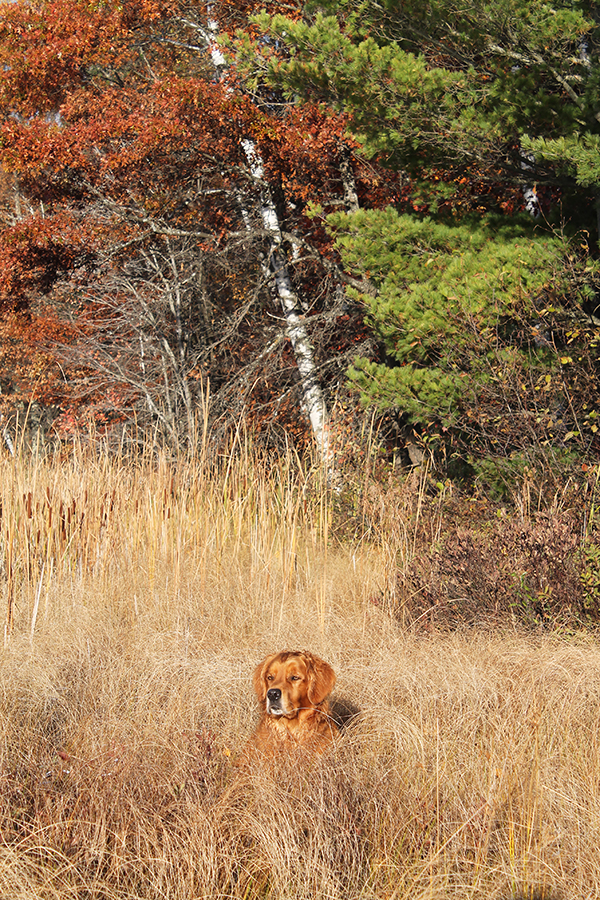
(137, 598)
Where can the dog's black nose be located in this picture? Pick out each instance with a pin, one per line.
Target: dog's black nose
(274, 694)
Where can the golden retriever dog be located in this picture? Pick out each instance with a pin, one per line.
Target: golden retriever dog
(292, 688)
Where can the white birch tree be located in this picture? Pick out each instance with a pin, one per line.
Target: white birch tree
(313, 399)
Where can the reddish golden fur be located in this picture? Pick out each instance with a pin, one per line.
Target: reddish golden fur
(292, 687)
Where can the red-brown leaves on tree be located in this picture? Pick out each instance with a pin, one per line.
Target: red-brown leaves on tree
(131, 213)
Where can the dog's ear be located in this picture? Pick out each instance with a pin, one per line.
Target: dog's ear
(321, 678)
(258, 679)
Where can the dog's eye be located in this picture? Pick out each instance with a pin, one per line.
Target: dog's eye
(294, 678)
(269, 678)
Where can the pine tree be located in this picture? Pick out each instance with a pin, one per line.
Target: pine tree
(445, 296)
(476, 304)
(500, 91)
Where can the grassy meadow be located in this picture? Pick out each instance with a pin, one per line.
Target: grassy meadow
(136, 598)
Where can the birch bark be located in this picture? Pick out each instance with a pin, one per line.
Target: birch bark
(313, 399)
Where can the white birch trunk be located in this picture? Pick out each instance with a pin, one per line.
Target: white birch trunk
(312, 394)
(532, 204)
(348, 181)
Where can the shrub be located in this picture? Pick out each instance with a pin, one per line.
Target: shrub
(535, 571)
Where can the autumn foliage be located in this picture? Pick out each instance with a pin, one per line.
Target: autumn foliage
(132, 253)
(141, 145)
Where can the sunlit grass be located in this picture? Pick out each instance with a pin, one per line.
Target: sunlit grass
(138, 596)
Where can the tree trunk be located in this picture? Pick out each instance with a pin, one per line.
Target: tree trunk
(312, 394)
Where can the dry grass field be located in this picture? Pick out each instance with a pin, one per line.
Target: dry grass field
(136, 600)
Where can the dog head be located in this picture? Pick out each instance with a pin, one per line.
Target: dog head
(291, 681)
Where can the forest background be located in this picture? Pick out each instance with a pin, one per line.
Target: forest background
(368, 231)
(298, 347)
(397, 205)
